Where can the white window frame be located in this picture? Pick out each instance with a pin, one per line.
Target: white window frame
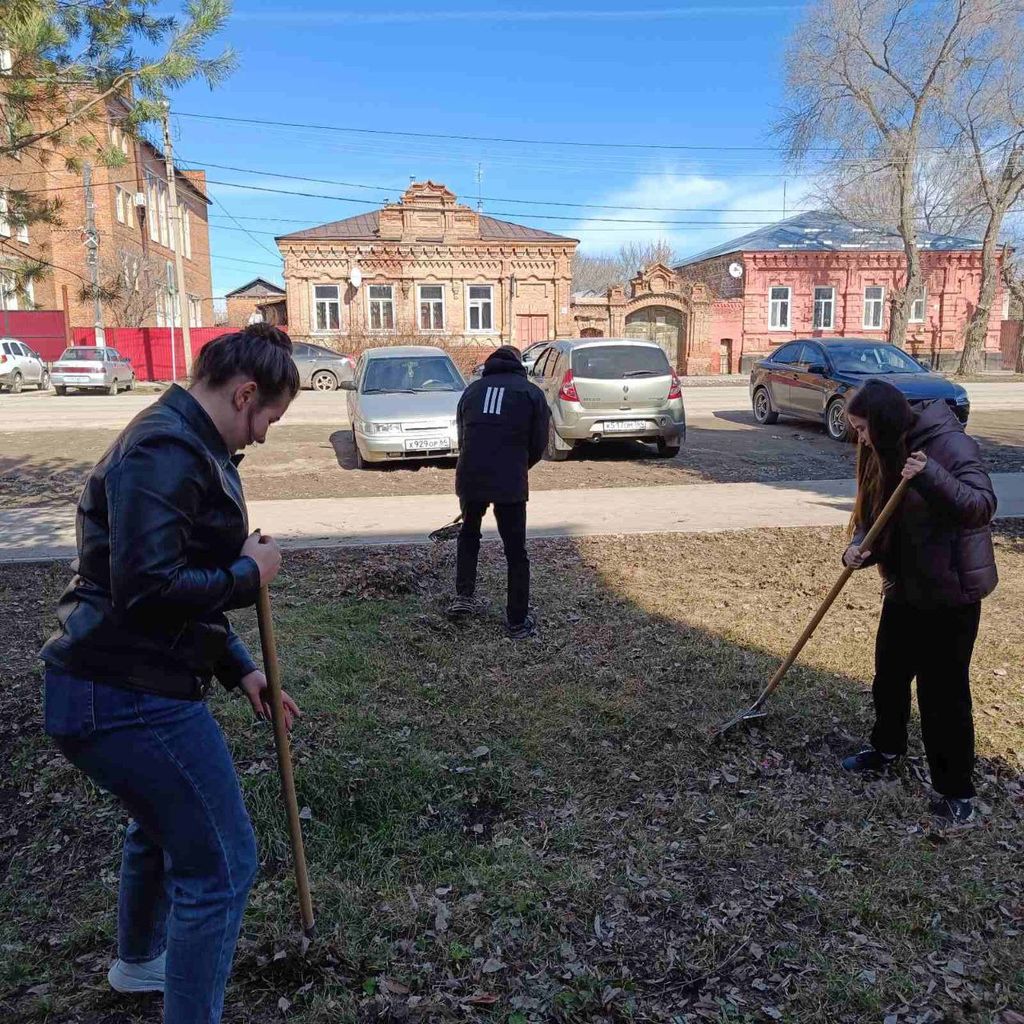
(164, 205)
(829, 304)
(371, 300)
(195, 311)
(775, 308)
(186, 232)
(6, 60)
(21, 234)
(922, 301)
(478, 304)
(8, 290)
(1006, 304)
(152, 203)
(5, 223)
(879, 303)
(419, 308)
(336, 301)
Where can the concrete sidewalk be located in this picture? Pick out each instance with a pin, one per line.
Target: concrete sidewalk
(49, 533)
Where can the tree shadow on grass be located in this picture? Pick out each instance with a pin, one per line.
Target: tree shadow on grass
(545, 827)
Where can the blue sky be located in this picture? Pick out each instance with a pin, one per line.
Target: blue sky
(680, 75)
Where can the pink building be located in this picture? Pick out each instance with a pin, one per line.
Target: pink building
(813, 275)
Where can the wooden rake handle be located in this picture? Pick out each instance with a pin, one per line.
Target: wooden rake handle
(284, 758)
(872, 535)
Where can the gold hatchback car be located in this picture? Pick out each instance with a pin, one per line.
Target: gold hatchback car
(610, 389)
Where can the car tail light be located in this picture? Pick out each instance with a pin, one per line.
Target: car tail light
(567, 392)
(3, 358)
(676, 389)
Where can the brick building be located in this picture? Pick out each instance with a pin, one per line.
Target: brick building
(256, 300)
(813, 275)
(425, 267)
(131, 210)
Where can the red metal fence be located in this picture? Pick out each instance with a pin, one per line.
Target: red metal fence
(41, 329)
(149, 348)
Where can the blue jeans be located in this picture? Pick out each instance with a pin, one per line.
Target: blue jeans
(189, 854)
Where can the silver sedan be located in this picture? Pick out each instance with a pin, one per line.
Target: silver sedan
(402, 404)
(322, 369)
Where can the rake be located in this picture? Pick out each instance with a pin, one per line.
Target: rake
(754, 712)
(450, 531)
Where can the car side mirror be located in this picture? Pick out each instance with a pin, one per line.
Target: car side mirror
(347, 385)
(818, 369)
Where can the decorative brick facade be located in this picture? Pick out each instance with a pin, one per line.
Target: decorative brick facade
(427, 267)
(813, 275)
(126, 232)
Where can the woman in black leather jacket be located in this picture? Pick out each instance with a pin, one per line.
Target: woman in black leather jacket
(164, 551)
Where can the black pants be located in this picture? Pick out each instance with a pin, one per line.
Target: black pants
(936, 647)
(512, 528)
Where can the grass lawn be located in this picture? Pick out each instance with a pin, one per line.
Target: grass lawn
(543, 832)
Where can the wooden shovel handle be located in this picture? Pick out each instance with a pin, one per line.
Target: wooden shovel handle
(872, 535)
(284, 757)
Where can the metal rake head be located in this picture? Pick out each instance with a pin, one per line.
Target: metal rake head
(448, 532)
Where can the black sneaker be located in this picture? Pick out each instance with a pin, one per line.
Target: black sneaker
(525, 629)
(870, 760)
(953, 809)
(467, 607)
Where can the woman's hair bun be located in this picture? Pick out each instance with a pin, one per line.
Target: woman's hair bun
(267, 332)
(261, 352)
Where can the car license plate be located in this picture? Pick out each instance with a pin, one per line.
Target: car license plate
(624, 426)
(427, 444)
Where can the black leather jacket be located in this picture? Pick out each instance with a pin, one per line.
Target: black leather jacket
(160, 524)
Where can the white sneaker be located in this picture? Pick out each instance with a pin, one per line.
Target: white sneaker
(144, 977)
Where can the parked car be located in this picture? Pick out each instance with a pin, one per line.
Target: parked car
(811, 379)
(322, 369)
(93, 369)
(20, 365)
(610, 389)
(402, 404)
(530, 356)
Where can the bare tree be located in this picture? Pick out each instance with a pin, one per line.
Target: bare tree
(986, 115)
(946, 196)
(129, 287)
(599, 273)
(865, 81)
(1013, 279)
(594, 273)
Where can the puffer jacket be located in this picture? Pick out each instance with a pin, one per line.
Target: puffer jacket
(940, 553)
(503, 431)
(159, 526)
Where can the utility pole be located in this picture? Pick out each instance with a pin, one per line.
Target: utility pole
(176, 236)
(92, 244)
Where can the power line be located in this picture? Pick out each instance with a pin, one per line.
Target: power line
(501, 199)
(480, 138)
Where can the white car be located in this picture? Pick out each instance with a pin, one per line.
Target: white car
(402, 404)
(93, 369)
(19, 365)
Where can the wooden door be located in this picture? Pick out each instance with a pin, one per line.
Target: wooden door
(531, 328)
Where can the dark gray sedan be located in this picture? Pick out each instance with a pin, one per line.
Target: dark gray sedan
(322, 369)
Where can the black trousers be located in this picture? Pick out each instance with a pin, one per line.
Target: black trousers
(936, 647)
(512, 528)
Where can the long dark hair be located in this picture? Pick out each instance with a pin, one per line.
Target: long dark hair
(260, 352)
(879, 466)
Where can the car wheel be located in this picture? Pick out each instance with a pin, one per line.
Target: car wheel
(44, 381)
(836, 423)
(668, 451)
(60, 390)
(16, 384)
(131, 383)
(763, 411)
(324, 380)
(112, 388)
(554, 452)
(361, 463)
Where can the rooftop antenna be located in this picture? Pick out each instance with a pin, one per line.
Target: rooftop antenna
(479, 187)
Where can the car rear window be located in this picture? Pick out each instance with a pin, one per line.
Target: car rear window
(609, 362)
(76, 354)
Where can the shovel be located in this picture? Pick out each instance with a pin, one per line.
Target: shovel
(284, 758)
(754, 712)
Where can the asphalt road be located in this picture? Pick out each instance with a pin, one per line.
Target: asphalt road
(33, 411)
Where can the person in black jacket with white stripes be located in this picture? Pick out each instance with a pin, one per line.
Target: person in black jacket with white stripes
(503, 431)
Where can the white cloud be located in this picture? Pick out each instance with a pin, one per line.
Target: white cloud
(734, 207)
